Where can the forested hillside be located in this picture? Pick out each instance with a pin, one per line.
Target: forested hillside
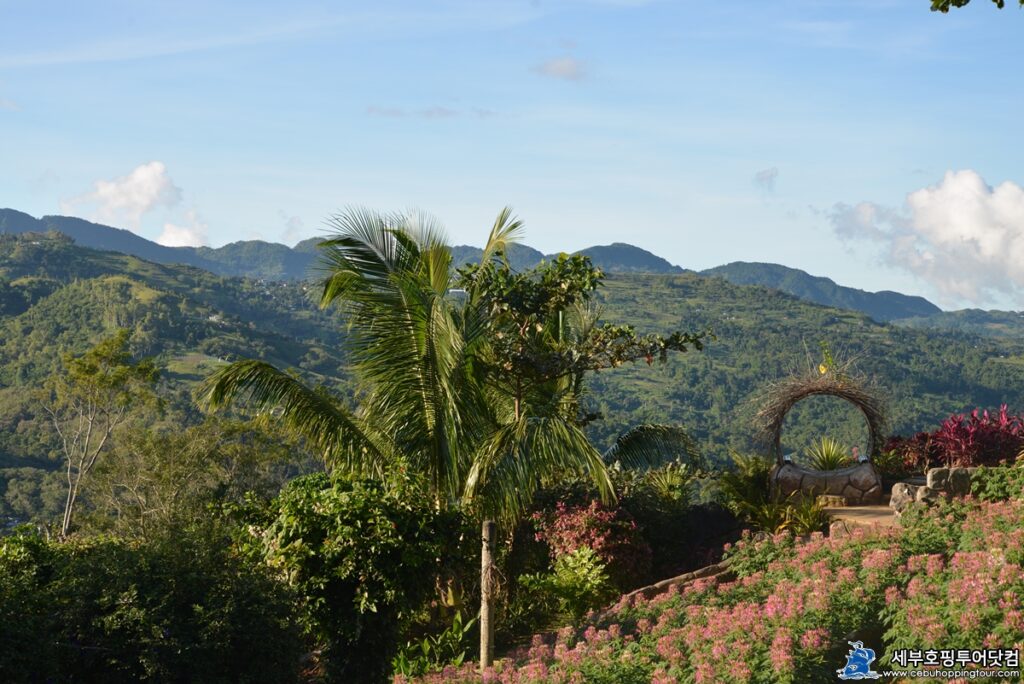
(56, 297)
(882, 306)
(762, 335)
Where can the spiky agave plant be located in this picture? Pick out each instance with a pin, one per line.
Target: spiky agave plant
(828, 454)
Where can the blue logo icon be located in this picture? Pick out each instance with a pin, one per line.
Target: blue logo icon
(858, 663)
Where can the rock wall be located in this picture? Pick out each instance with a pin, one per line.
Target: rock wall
(939, 483)
(858, 484)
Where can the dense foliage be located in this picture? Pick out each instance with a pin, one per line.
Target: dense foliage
(180, 607)
(189, 320)
(439, 405)
(362, 558)
(611, 533)
(945, 5)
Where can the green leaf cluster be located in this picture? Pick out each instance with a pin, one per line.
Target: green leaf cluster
(362, 556)
(180, 607)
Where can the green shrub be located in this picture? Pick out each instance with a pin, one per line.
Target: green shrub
(433, 653)
(363, 558)
(770, 516)
(181, 608)
(807, 515)
(578, 584)
(999, 483)
(891, 465)
(611, 532)
(744, 488)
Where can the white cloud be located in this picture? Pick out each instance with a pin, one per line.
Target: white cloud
(8, 105)
(126, 199)
(191, 235)
(961, 236)
(294, 227)
(564, 68)
(765, 179)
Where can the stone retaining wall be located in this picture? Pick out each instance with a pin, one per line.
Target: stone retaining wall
(858, 484)
(939, 483)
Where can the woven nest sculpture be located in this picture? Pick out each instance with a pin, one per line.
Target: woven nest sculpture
(781, 397)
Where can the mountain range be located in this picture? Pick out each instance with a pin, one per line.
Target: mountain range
(58, 297)
(273, 261)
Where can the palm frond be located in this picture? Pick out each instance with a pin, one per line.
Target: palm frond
(527, 453)
(649, 446)
(343, 438)
(506, 231)
(393, 274)
(359, 262)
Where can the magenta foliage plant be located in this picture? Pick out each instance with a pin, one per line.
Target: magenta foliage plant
(612, 533)
(978, 438)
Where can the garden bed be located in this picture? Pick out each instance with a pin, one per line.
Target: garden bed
(952, 577)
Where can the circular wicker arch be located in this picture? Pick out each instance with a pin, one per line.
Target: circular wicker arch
(782, 397)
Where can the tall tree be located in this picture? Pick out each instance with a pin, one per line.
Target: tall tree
(88, 401)
(543, 338)
(472, 378)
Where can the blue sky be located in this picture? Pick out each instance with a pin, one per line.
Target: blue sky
(871, 141)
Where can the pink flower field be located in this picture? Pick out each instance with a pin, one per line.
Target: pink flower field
(951, 578)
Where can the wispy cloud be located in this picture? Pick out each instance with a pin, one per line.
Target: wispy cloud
(124, 200)
(960, 235)
(765, 179)
(432, 112)
(564, 68)
(225, 32)
(161, 45)
(8, 105)
(294, 227)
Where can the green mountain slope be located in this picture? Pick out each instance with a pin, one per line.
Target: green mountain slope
(1004, 324)
(881, 306)
(763, 335)
(620, 257)
(58, 297)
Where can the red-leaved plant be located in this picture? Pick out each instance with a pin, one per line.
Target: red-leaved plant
(979, 438)
(611, 532)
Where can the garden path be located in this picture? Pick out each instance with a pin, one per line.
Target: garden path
(877, 515)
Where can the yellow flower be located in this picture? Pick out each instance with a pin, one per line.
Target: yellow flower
(822, 368)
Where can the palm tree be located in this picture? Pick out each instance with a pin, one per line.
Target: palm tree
(434, 379)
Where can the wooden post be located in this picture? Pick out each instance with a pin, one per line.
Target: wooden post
(486, 595)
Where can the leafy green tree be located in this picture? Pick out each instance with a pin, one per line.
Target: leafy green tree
(362, 556)
(472, 379)
(152, 480)
(944, 5)
(89, 401)
(544, 338)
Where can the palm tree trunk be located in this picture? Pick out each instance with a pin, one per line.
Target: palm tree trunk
(488, 533)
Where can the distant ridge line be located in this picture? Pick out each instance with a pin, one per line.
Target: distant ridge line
(274, 261)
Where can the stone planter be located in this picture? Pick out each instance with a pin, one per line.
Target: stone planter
(859, 484)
